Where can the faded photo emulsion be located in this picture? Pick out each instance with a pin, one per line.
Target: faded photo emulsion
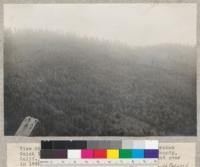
(100, 69)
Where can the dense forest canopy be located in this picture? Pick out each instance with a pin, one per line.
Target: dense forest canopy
(84, 86)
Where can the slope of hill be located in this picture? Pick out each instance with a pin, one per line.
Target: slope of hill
(83, 86)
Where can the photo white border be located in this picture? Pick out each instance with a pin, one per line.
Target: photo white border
(6, 139)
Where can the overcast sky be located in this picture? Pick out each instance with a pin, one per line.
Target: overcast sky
(134, 24)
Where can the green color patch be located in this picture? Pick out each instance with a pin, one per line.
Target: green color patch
(125, 153)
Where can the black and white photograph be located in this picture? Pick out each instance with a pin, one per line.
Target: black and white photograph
(100, 69)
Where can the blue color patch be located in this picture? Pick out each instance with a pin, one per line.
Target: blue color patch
(138, 153)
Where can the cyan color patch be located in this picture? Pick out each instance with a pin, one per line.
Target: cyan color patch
(138, 153)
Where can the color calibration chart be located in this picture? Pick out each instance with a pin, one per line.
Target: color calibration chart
(131, 153)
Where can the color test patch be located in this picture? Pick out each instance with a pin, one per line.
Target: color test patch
(100, 153)
(87, 154)
(60, 154)
(139, 144)
(46, 153)
(112, 154)
(74, 154)
(125, 153)
(127, 144)
(54, 154)
(151, 144)
(138, 153)
(151, 154)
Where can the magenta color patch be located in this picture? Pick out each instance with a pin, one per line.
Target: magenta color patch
(86, 153)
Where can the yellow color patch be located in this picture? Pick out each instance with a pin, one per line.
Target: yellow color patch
(113, 154)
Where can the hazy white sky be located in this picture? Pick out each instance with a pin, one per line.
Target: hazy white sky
(134, 24)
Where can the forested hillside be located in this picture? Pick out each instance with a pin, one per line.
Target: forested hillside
(84, 86)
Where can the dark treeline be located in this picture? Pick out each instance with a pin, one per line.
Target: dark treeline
(84, 86)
